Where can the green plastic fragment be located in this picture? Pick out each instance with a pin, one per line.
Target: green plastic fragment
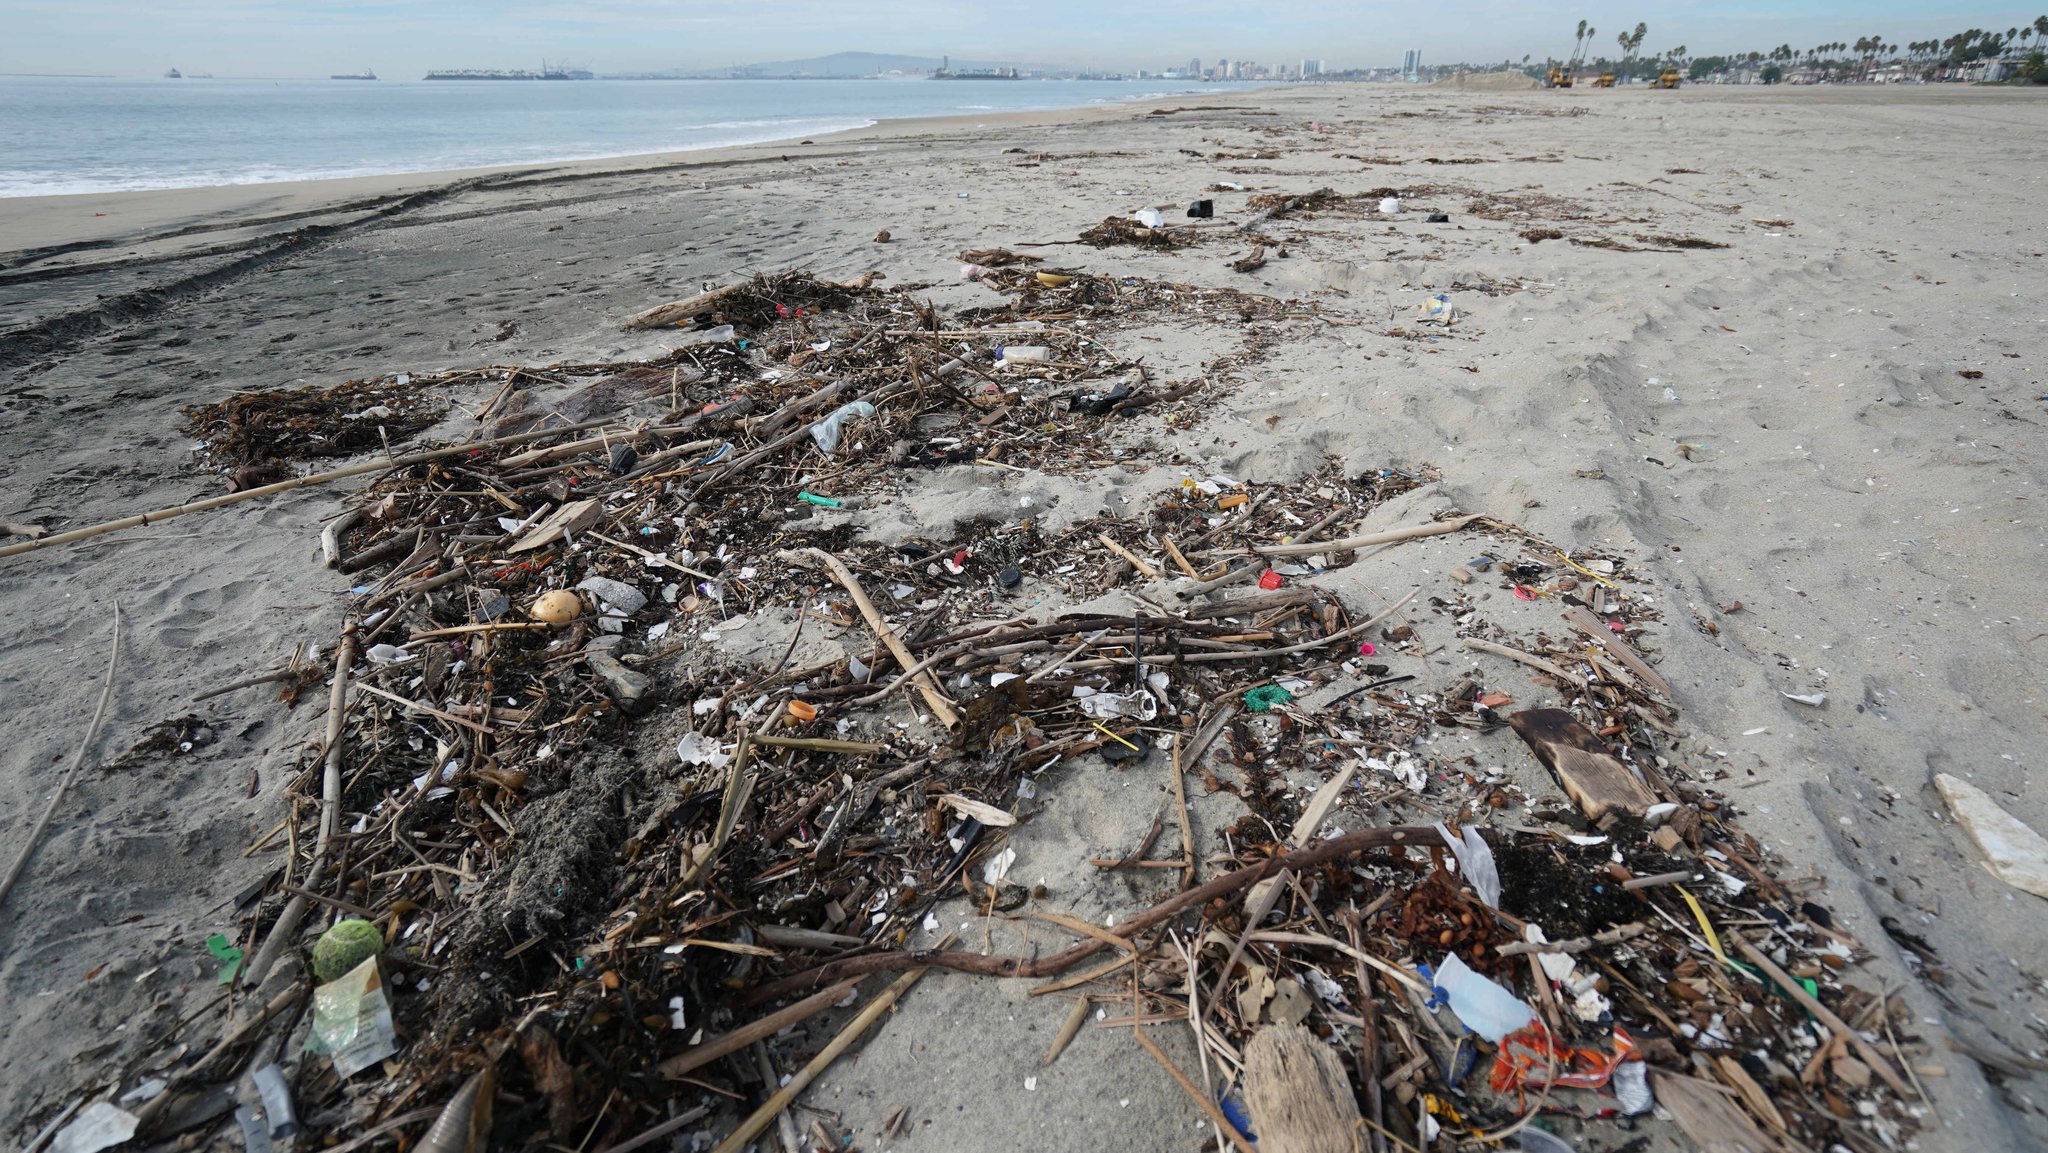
(230, 956)
(1263, 698)
(820, 501)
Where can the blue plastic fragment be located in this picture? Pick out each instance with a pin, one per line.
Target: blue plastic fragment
(1437, 997)
(1235, 1111)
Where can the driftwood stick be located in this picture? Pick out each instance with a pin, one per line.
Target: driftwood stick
(691, 1058)
(821, 745)
(1575, 944)
(1216, 1116)
(997, 966)
(688, 308)
(318, 478)
(92, 732)
(729, 806)
(659, 1131)
(330, 816)
(1144, 568)
(907, 675)
(773, 1107)
(927, 687)
(1236, 573)
(1353, 543)
(1180, 805)
(1520, 657)
(1612, 641)
(330, 537)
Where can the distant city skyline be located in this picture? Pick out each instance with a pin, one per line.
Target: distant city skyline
(402, 39)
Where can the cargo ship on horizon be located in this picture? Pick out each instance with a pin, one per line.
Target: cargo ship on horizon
(365, 74)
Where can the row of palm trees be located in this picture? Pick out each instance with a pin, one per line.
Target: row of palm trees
(1832, 57)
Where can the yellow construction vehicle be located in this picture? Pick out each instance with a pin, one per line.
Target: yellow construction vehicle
(1558, 78)
(1668, 80)
(1606, 80)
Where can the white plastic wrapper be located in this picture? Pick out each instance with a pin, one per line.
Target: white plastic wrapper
(1111, 706)
(98, 1126)
(1631, 1085)
(352, 1020)
(1475, 861)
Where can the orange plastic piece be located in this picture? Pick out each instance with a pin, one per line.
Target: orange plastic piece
(803, 710)
(1233, 500)
(1528, 1053)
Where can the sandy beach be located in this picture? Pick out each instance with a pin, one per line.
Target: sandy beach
(1780, 349)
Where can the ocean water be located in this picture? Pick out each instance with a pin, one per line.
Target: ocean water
(63, 135)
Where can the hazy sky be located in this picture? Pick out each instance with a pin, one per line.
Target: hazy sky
(401, 38)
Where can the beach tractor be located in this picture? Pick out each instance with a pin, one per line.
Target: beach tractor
(1669, 79)
(1606, 80)
(1558, 78)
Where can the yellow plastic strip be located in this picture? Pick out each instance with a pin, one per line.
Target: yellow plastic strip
(1587, 572)
(1706, 926)
(1118, 739)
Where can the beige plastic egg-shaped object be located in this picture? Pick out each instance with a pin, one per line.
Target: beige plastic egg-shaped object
(557, 608)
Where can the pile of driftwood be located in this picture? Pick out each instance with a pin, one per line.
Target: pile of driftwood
(610, 857)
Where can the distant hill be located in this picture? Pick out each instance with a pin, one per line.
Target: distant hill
(852, 64)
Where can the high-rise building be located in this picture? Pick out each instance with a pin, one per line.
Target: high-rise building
(1411, 64)
(1311, 68)
(1195, 68)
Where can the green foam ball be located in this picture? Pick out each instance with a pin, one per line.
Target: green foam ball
(348, 944)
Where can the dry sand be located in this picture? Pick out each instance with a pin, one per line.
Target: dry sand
(1781, 423)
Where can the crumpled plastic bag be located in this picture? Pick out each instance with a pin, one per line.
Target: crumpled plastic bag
(1484, 1007)
(352, 1020)
(1475, 863)
(828, 431)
